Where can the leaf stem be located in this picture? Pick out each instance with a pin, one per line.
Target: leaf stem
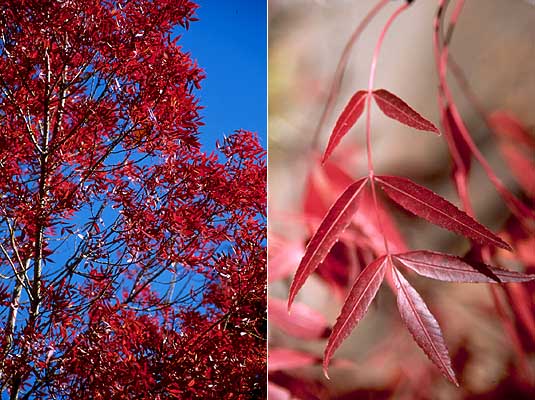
(368, 115)
(516, 206)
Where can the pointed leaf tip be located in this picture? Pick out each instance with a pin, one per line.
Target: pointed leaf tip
(437, 210)
(356, 305)
(347, 119)
(423, 326)
(395, 108)
(330, 229)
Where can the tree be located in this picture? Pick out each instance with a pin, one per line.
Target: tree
(132, 262)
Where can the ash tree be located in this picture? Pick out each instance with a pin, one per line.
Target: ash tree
(132, 263)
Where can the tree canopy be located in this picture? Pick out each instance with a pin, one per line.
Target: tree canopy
(132, 262)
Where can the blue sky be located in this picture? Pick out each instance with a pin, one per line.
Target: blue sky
(229, 43)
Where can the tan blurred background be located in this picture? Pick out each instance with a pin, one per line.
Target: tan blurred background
(494, 43)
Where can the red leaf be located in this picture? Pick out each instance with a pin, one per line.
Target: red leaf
(519, 298)
(330, 229)
(313, 197)
(281, 358)
(395, 108)
(507, 126)
(459, 149)
(522, 165)
(283, 258)
(340, 267)
(276, 392)
(336, 176)
(423, 326)
(355, 306)
(346, 120)
(437, 210)
(453, 269)
(305, 322)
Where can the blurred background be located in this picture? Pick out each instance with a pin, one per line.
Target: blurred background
(494, 44)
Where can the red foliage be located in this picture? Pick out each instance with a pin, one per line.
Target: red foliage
(357, 221)
(132, 263)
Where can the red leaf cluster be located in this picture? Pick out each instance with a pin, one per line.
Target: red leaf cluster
(354, 245)
(132, 263)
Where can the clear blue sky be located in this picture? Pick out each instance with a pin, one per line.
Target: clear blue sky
(229, 43)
